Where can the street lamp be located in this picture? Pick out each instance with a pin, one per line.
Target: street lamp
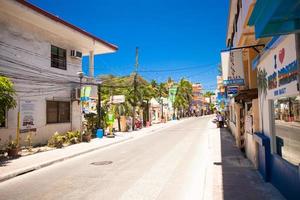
(99, 82)
(80, 75)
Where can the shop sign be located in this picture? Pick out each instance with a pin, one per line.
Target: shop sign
(232, 68)
(27, 116)
(281, 68)
(117, 99)
(232, 90)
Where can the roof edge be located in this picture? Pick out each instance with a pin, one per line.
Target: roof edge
(59, 20)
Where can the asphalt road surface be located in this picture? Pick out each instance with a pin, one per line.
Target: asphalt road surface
(170, 164)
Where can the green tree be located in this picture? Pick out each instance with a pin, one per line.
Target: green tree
(124, 85)
(7, 100)
(183, 97)
(262, 90)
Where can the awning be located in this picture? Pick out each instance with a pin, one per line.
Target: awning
(272, 18)
(246, 95)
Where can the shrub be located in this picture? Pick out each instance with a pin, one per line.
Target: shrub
(73, 136)
(57, 140)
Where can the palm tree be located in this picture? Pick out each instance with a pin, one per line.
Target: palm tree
(183, 97)
(262, 90)
(162, 92)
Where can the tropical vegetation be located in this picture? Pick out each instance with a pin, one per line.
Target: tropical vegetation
(138, 92)
(7, 100)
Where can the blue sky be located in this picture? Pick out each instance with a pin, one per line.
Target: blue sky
(177, 38)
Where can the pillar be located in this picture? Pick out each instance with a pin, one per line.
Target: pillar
(91, 64)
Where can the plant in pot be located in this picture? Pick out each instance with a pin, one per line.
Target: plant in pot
(12, 148)
(86, 136)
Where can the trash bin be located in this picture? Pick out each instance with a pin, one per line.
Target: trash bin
(99, 133)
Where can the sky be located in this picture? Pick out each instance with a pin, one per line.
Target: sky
(176, 38)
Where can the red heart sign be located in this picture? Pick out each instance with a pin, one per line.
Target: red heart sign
(281, 55)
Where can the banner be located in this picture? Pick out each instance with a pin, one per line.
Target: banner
(172, 94)
(85, 93)
(232, 68)
(27, 116)
(278, 69)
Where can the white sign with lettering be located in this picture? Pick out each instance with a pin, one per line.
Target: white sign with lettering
(117, 99)
(27, 116)
(279, 68)
(232, 67)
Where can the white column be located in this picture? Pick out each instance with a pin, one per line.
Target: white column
(92, 75)
(91, 62)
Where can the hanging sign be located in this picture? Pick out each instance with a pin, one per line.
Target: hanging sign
(27, 116)
(278, 69)
(172, 93)
(232, 68)
(232, 90)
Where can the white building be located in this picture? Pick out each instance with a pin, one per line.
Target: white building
(35, 53)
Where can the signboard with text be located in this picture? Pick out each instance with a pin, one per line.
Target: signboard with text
(232, 90)
(27, 116)
(280, 68)
(117, 99)
(232, 68)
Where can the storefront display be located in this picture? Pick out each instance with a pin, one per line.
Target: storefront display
(287, 128)
(278, 74)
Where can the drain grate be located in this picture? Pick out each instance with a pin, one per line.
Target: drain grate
(102, 163)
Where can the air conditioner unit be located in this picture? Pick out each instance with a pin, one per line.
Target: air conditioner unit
(76, 54)
(75, 94)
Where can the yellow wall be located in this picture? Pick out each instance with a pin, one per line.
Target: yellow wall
(252, 74)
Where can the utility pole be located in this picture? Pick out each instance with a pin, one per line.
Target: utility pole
(135, 86)
(99, 104)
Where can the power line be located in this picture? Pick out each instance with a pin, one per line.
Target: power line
(176, 69)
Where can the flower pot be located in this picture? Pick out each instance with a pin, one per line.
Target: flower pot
(13, 152)
(86, 138)
(148, 124)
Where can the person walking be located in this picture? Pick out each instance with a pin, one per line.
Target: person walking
(220, 120)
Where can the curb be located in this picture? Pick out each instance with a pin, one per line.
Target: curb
(48, 163)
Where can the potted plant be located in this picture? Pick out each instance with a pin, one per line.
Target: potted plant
(86, 136)
(12, 148)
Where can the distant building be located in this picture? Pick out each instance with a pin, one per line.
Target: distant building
(41, 54)
(197, 99)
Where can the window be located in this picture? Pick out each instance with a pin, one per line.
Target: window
(58, 112)
(58, 58)
(287, 128)
(3, 116)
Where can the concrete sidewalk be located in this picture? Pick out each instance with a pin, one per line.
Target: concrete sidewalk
(22, 165)
(230, 175)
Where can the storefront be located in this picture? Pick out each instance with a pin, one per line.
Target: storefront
(233, 75)
(279, 102)
(155, 108)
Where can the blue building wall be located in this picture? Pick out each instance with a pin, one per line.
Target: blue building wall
(283, 175)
